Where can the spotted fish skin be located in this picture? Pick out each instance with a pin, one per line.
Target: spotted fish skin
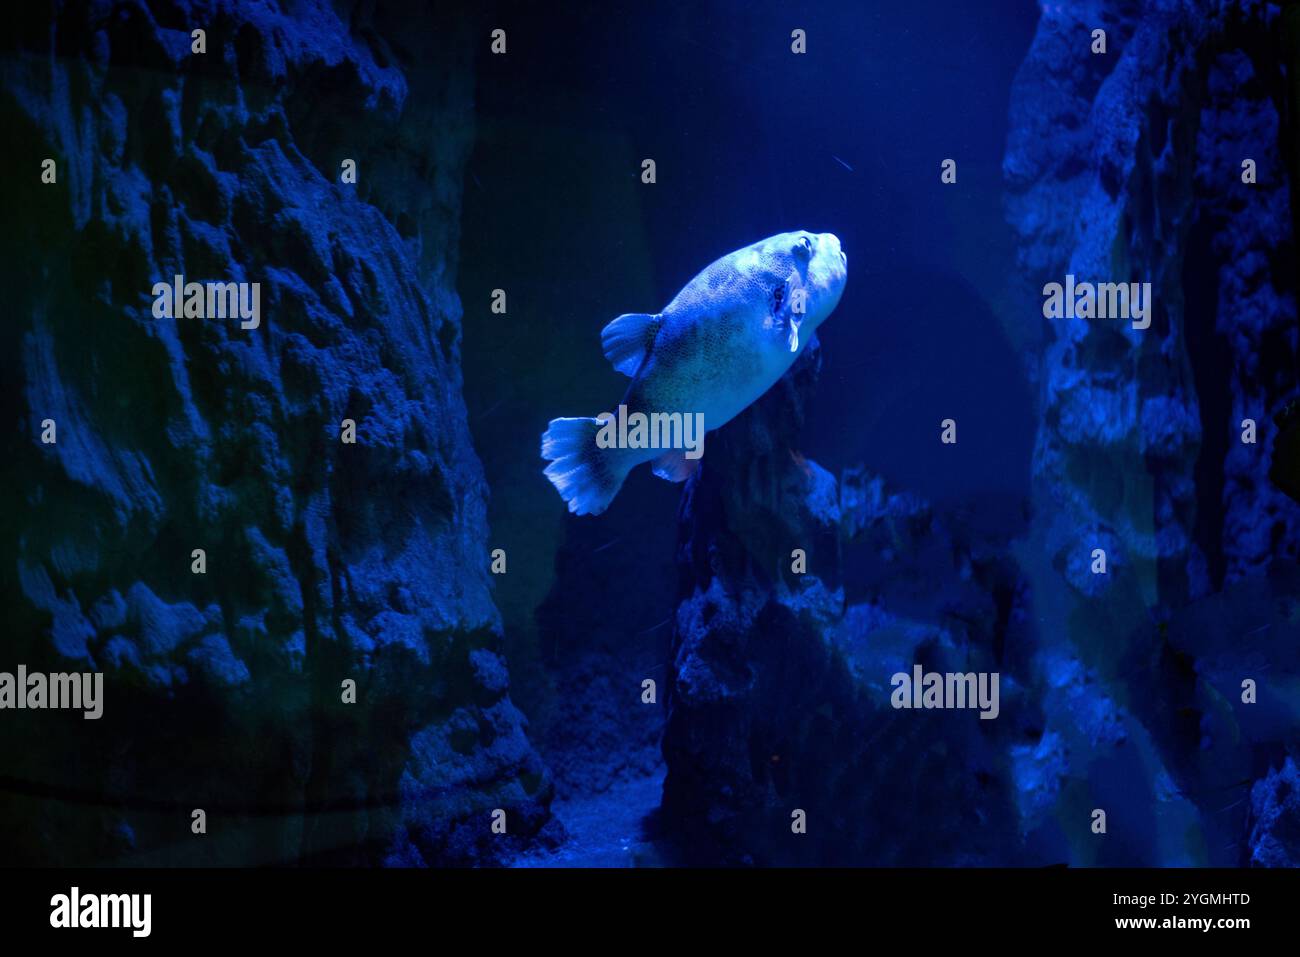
(722, 342)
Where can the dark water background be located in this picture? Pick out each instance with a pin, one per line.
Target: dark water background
(749, 140)
(330, 561)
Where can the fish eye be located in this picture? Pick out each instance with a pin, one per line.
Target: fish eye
(803, 248)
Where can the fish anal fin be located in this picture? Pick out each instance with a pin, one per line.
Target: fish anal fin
(627, 339)
(674, 466)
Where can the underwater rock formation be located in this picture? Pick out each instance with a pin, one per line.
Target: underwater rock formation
(325, 562)
(780, 694)
(1275, 805)
(1127, 166)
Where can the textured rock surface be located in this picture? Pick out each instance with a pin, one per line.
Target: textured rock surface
(325, 561)
(1275, 802)
(1127, 167)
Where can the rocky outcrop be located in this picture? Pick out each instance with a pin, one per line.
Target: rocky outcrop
(1275, 805)
(781, 744)
(1127, 166)
(326, 562)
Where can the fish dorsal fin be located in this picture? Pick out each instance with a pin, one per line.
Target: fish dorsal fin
(628, 338)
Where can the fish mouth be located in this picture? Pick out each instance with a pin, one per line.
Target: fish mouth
(836, 246)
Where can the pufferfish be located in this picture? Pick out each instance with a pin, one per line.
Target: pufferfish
(722, 342)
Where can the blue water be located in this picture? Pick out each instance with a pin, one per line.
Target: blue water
(699, 672)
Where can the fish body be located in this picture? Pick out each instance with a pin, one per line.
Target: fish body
(722, 342)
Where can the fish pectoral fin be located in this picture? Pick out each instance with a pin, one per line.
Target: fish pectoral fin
(785, 311)
(627, 339)
(674, 466)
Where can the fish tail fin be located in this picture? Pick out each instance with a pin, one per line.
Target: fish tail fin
(586, 476)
